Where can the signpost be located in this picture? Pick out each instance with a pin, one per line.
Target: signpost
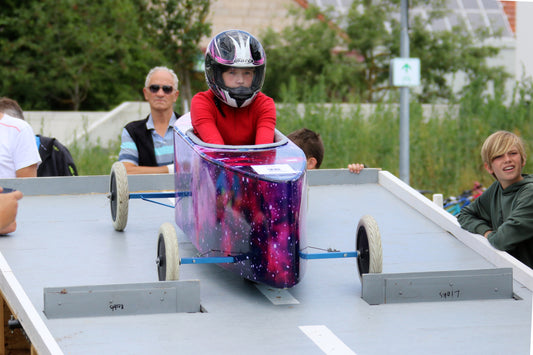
(406, 76)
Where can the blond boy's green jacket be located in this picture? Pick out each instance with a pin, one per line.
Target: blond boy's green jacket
(508, 214)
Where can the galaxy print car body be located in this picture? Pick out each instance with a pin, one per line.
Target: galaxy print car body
(242, 207)
(245, 202)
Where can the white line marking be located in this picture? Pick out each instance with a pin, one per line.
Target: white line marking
(531, 337)
(326, 340)
(277, 296)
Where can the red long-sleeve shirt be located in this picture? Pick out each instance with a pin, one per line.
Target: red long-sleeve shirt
(253, 124)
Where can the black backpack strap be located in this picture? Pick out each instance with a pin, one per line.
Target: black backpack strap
(45, 146)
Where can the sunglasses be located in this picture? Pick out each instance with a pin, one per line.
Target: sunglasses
(154, 89)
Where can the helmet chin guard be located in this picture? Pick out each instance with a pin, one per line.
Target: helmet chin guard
(234, 49)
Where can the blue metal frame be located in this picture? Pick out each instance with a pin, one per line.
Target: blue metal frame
(329, 255)
(208, 260)
(232, 259)
(148, 196)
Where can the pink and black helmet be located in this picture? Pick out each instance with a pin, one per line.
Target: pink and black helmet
(237, 49)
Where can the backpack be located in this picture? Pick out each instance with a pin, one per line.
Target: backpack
(56, 158)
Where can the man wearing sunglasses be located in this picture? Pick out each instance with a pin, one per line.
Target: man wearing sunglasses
(147, 145)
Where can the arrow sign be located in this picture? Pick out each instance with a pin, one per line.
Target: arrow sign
(405, 72)
(406, 67)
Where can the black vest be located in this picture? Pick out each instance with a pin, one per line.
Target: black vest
(143, 140)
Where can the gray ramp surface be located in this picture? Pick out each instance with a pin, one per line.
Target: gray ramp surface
(67, 240)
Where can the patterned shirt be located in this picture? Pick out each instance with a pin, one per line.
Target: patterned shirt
(163, 146)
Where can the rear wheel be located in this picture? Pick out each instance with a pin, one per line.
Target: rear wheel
(368, 246)
(119, 196)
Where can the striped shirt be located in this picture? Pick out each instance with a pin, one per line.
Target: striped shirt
(163, 146)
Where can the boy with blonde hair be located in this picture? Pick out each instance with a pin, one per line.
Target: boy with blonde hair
(504, 212)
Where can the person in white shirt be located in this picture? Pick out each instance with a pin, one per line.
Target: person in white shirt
(19, 156)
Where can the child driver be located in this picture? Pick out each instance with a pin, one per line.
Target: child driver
(234, 111)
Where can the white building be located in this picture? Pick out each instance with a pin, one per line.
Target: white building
(524, 44)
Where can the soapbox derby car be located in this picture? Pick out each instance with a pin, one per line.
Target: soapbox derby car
(242, 207)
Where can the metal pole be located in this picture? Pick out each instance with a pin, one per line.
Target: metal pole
(404, 95)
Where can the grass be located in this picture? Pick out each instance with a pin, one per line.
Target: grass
(93, 159)
(444, 148)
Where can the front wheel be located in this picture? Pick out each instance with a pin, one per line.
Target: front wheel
(368, 246)
(119, 196)
(168, 258)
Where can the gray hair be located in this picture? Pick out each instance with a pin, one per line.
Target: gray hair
(155, 69)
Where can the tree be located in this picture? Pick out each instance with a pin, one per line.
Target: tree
(445, 53)
(303, 52)
(357, 63)
(177, 26)
(67, 54)
(93, 55)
